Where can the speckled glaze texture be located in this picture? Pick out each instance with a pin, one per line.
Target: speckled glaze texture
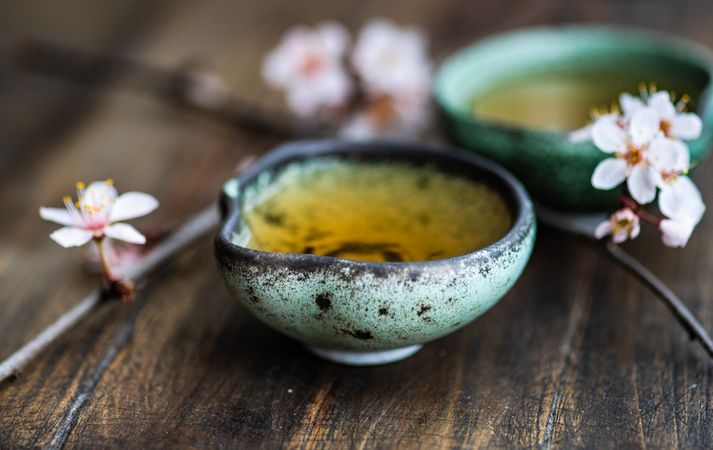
(556, 171)
(353, 305)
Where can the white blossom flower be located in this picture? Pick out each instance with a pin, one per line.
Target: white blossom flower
(622, 225)
(392, 117)
(96, 213)
(391, 60)
(673, 122)
(308, 65)
(629, 147)
(628, 106)
(681, 203)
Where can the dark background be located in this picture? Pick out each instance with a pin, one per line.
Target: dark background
(577, 355)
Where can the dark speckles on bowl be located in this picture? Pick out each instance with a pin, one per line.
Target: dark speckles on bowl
(361, 312)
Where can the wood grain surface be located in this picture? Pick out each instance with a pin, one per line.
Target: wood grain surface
(577, 355)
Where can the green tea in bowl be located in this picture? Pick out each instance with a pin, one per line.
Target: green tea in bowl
(375, 212)
(563, 99)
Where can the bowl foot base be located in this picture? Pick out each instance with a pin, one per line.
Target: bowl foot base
(365, 358)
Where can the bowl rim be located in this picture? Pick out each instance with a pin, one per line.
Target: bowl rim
(519, 199)
(665, 42)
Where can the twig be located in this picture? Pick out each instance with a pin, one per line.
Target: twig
(684, 316)
(188, 87)
(583, 225)
(195, 227)
(15, 362)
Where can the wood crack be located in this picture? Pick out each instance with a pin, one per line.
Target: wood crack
(88, 384)
(576, 319)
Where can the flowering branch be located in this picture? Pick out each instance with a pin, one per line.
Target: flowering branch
(645, 138)
(377, 86)
(195, 227)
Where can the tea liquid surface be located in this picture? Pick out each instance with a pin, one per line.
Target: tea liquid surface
(563, 100)
(374, 212)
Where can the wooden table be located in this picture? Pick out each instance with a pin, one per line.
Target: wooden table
(577, 355)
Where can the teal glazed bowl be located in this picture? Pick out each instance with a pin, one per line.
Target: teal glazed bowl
(360, 312)
(556, 171)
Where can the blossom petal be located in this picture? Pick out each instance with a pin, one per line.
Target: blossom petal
(668, 154)
(686, 126)
(609, 173)
(125, 232)
(630, 104)
(98, 194)
(635, 230)
(642, 184)
(674, 233)
(607, 135)
(602, 229)
(131, 205)
(71, 236)
(334, 36)
(583, 134)
(60, 216)
(645, 124)
(662, 104)
(620, 236)
(681, 201)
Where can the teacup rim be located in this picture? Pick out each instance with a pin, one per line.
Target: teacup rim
(523, 211)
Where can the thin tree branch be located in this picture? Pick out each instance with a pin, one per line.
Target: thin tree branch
(188, 87)
(583, 225)
(684, 316)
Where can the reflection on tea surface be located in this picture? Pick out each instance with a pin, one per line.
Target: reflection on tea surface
(563, 100)
(374, 212)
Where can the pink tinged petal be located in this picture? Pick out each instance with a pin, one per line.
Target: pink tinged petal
(662, 104)
(642, 184)
(608, 136)
(630, 104)
(645, 124)
(60, 216)
(620, 236)
(603, 229)
(131, 205)
(609, 174)
(674, 233)
(71, 236)
(686, 126)
(635, 230)
(681, 201)
(125, 232)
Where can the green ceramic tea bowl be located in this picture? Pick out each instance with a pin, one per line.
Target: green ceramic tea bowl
(556, 171)
(360, 312)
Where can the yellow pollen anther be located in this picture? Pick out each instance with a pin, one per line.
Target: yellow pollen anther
(80, 185)
(109, 182)
(66, 199)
